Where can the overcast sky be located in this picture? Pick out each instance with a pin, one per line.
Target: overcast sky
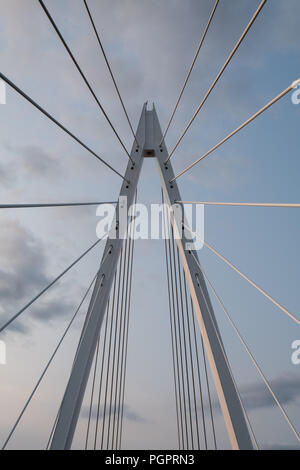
(150, 45)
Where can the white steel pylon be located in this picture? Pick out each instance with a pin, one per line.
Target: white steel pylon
(149, 138)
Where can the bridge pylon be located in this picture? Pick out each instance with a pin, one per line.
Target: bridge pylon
(149, 143)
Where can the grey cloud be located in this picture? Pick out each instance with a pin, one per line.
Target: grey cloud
(23, 264)
(35, 160)
(6, 176)
(52, 309)
(256, 396)
(23, 274)
(23, 261)
(128, 413)
(13, 286)
(18, 326)
(286, 387)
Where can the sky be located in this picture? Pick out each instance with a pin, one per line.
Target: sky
(150, 45)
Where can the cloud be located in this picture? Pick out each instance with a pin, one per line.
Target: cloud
(23, 274)
(17, 326)
(52, 309)
(286, 388)
(6, 176)
(35, 161)
(128, 413)
(23, 259)
(256, 396)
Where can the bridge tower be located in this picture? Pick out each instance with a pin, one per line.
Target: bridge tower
(149, 143)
